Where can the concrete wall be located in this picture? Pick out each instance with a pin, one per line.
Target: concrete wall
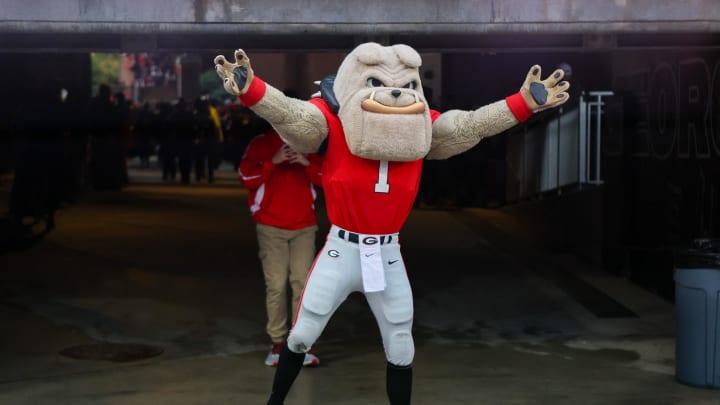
(662, 160)
(371, 17)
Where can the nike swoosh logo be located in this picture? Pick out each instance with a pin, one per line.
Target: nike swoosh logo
(369, 254)
(392, 261)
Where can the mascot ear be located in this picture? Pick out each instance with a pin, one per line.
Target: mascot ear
(328, 94)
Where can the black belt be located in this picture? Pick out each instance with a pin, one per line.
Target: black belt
(352, 237)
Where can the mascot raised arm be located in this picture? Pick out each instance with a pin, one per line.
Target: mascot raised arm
(377, 128)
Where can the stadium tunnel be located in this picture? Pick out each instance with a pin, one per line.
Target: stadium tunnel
(624, 172)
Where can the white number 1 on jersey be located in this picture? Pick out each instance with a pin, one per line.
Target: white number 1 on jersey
(382, 185)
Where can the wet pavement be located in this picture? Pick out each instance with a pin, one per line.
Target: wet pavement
(174, 269)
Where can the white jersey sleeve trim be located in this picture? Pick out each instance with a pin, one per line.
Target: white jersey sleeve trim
(255, 207)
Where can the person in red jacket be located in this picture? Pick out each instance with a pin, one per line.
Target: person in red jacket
(281, 184)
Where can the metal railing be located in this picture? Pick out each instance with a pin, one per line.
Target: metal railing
(590, 110)
(559, 149)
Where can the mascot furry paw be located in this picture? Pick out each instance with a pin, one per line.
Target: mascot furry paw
(236, 76)
(378, 128)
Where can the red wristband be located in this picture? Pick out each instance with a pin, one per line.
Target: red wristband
(255, 92)
(518, 107)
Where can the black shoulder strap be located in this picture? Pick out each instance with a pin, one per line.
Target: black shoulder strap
(328, 94)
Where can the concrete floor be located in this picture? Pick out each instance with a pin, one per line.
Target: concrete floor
(176, 268)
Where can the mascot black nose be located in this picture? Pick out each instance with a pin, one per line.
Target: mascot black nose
(396, 93)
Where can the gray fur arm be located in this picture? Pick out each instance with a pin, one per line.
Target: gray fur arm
(456, 131)
(299, 123)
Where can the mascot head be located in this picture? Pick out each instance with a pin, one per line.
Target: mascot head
(382, 107)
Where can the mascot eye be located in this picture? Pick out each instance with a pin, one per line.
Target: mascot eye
(412, 85)
(373, 82)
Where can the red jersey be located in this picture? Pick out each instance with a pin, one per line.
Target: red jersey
(280, 195)
(362, 195)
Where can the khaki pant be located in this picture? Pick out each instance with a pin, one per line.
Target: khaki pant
(285, 256)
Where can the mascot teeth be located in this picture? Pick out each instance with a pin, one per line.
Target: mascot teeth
(370, 105)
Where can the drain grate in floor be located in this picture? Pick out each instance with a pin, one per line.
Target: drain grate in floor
(115, 352)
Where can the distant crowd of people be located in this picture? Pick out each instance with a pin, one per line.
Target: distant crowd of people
(190, 140)
(153, 70)
(61, 147)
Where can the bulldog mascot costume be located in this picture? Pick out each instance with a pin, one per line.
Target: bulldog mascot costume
(376, 128)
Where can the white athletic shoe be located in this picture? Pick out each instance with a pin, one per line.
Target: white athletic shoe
(311, 360)
(273, 357)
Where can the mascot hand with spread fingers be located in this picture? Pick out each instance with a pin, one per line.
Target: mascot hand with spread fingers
(377, 129)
